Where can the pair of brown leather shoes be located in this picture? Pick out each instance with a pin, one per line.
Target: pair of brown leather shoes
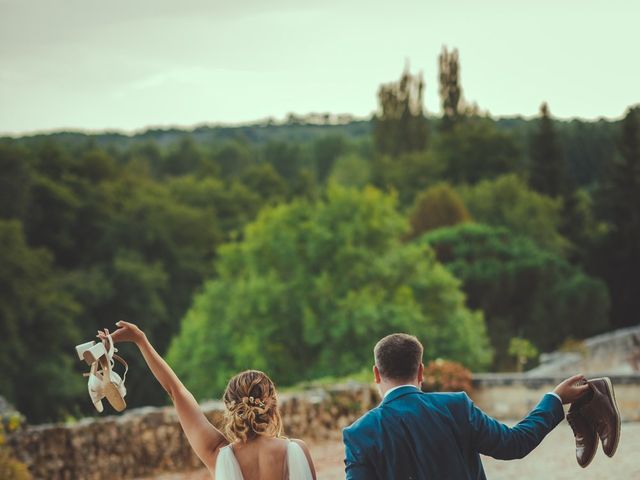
(595, 415)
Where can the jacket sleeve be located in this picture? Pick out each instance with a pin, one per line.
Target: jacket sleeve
(355, 463)
(492, 438)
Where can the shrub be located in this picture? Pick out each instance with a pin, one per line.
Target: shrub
(10, 468)
(438, 206)
(446, 376)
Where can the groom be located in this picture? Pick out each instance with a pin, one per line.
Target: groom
(415, 435)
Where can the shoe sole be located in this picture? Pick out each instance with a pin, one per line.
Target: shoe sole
(114, 397)
(612, 396)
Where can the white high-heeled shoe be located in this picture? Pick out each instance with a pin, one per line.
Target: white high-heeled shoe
(90, 352)
(103, 381)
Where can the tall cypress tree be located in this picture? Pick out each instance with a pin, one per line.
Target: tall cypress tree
(618, 257)
(450, 89)
(400, 125)
(547, 170)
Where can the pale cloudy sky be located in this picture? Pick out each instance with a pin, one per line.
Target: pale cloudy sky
(91, 64)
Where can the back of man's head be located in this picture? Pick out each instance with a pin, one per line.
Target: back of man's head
(398, 357)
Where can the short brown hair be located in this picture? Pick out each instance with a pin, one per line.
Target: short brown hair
(398, 356)
(251, 407)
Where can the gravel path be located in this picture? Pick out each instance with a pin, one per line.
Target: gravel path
(553, 460)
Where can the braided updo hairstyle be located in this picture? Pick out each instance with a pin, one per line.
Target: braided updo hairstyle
(251, 407)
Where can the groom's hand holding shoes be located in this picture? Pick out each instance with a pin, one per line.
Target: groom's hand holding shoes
(572, 389)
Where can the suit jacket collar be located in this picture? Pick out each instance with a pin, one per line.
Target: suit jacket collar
(399, 392)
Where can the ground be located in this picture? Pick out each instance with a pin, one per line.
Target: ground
(554, 459)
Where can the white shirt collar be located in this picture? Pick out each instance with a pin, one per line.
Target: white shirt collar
(397, 387)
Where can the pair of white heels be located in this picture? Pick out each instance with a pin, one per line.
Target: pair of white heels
(103, 381)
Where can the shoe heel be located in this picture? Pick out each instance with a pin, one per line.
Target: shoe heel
(80, 349)
(91, 355)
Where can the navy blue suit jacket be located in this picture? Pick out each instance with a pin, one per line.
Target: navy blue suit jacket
(419, 436)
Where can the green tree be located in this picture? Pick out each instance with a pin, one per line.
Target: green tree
(524, 291)
(450, 89)
(475, 150)
(351, 171)
(400, 126)
(507, 201)
(617, 256)
(438, 206)
(185, 157)
(547, 170)
(263, 180)
(310, 289)
(522, 350)
(408, 174)
(326, 151)
(16, 176)
(36, 330)
(233, 157)
(285, 157)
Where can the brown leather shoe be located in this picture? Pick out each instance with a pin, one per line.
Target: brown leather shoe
(583, 431)
(603, 414)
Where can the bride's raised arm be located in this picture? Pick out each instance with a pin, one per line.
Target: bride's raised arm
(205, 439)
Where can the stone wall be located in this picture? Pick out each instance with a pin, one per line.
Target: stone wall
(509, 396)
(616, 352)
(148, 441)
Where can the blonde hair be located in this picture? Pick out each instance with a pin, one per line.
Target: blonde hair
(251, 407)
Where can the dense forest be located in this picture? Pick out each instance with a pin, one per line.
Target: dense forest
(293, 246)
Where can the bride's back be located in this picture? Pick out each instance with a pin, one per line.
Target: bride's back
(262, 458)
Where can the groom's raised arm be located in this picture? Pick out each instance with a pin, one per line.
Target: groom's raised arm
(497, 440)
(356, 467)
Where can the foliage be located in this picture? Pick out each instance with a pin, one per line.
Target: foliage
(233, 157)
(522, 350)
(36, 324)
(523, 290)
(311, 288)
(10, 468)
(408, 174)
(450, 90)
(474, 150)
(438, 206)
(617, 256)
(263, 180)
(285, 157)
(400, 125)
(326, 150)
(15, 181)
(507, 201)
(446, 376)
(547, 170)
(350, 171)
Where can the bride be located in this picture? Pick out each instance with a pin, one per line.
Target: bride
(252, 446)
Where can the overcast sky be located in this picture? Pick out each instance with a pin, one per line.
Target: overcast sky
(89, 64)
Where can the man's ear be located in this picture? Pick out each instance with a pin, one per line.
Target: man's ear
(421, 373)
(376, 375)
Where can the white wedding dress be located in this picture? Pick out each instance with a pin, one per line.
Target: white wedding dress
(227, 467)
